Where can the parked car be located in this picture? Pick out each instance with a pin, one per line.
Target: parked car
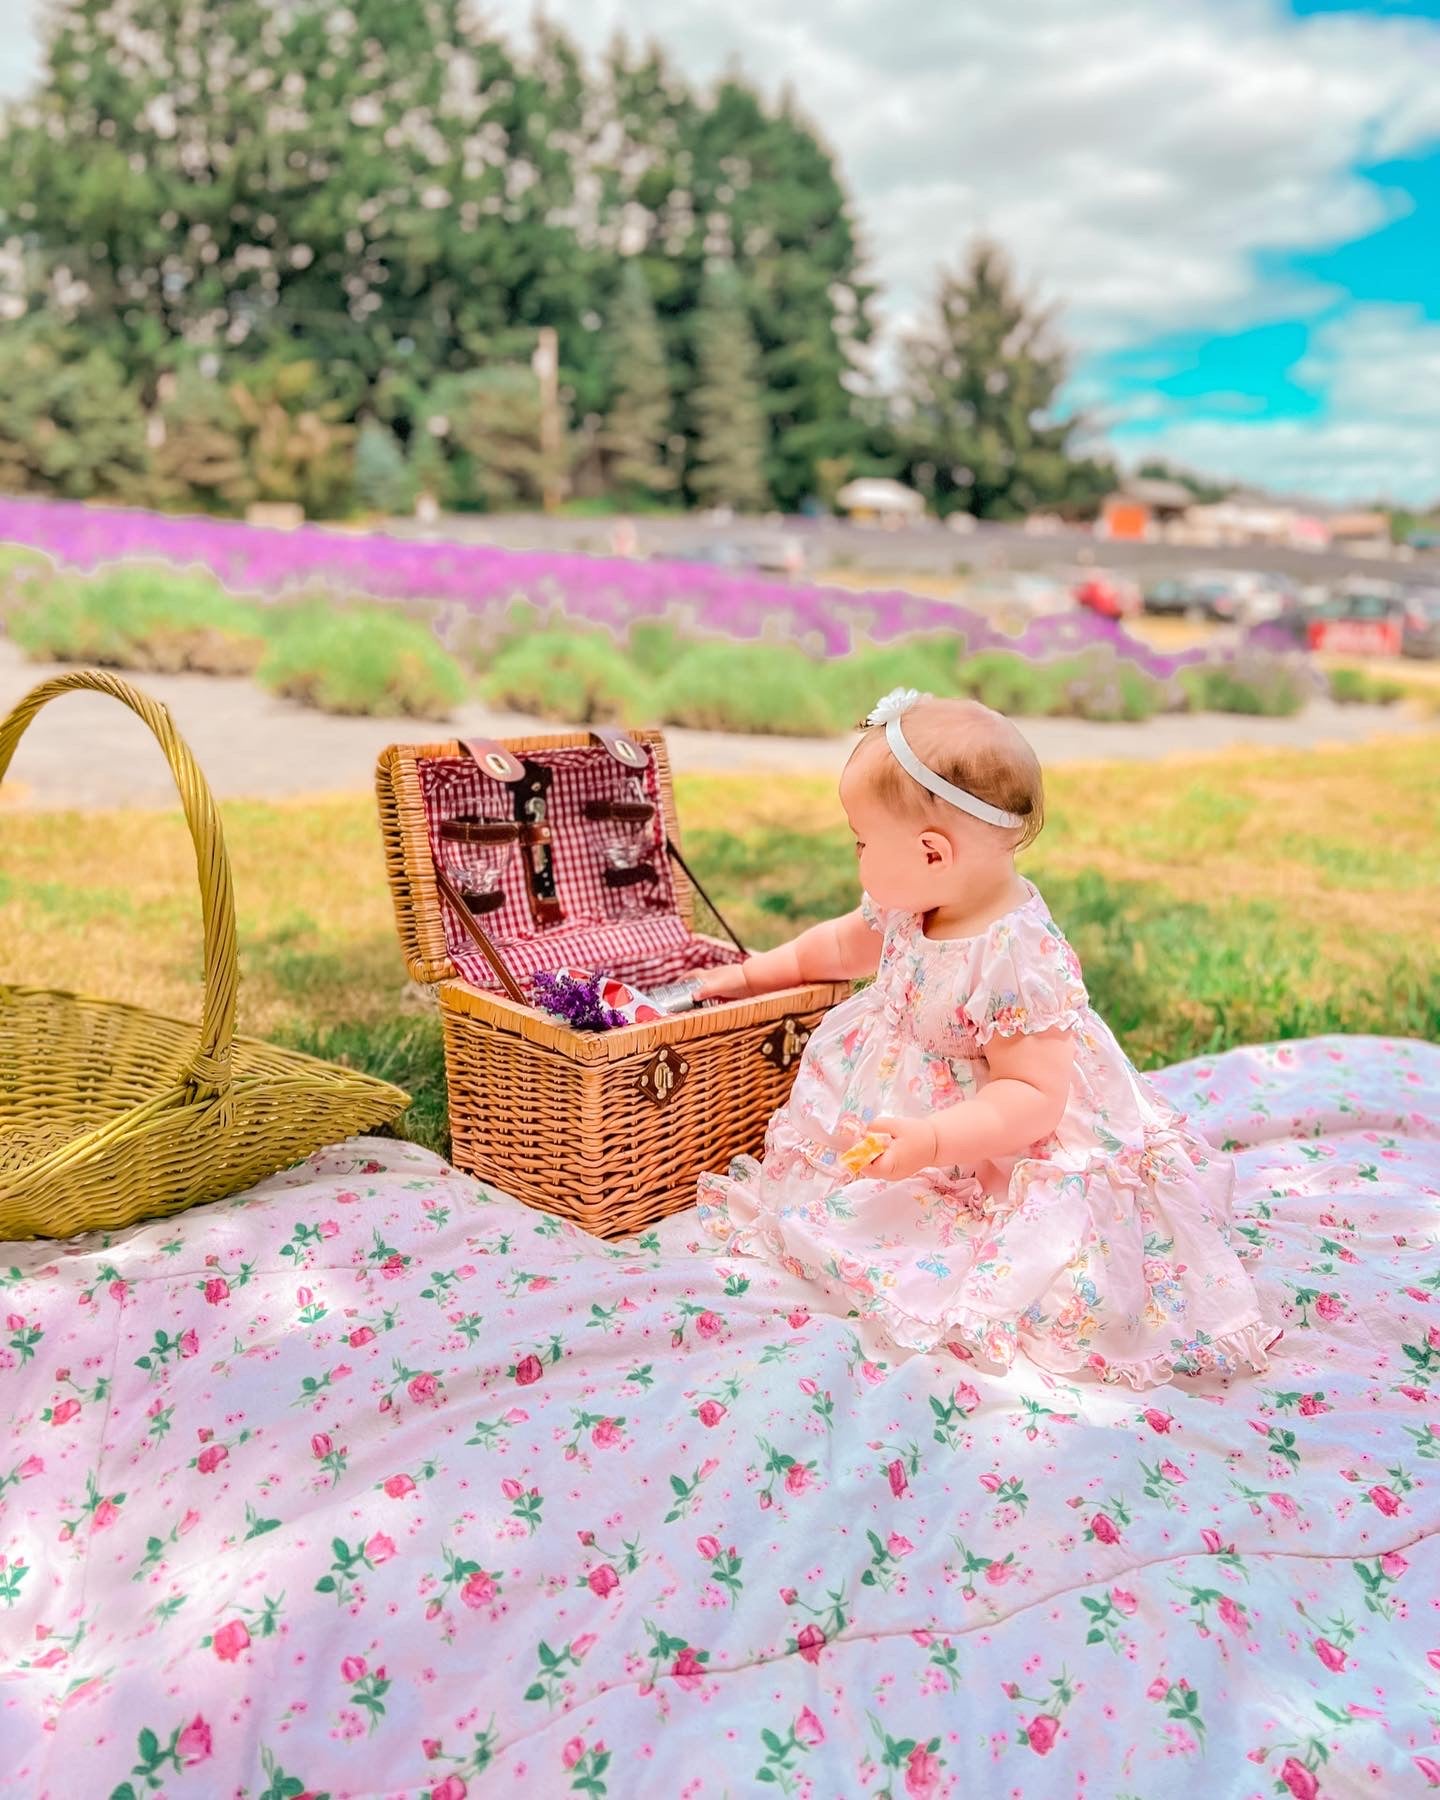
(1420, 628)
(1106, 594)
(1037, 594)
(1172, 598)
(1220, 595)
(1271, 600)
(1236, 596)
(1359, 619)
(1290, 613)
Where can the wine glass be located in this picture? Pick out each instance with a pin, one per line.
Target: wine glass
(625, 831)
(478, 849)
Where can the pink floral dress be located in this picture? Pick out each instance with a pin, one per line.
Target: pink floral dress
(1108, 1246)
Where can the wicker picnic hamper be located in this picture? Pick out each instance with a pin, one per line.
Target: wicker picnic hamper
(110, 1113)
(609, 1129)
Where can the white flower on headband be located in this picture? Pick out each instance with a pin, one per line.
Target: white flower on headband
(897, 702)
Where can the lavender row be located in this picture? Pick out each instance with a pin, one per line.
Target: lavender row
(595, 590)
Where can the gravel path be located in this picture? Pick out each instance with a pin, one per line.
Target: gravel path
(86, 752)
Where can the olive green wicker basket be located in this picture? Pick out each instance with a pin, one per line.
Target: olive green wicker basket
(110, 1113)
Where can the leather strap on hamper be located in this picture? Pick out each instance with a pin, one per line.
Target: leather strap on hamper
(625, 750)
(691, 878)
(498, 762)
(478, 936)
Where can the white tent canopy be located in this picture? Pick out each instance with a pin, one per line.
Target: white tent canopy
(878, 494)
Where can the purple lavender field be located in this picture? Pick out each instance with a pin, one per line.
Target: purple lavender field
(487, 605)
(603, 591)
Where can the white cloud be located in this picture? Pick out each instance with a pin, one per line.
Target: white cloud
(18, 52)
(1137, 156)
(1134, 154)
(1380, 366)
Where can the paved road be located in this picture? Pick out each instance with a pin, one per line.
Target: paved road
(86, 751)
(929, 548)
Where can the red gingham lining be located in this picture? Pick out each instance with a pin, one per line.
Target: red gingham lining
(646, 951)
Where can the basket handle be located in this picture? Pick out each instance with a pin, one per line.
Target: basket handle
(209, 1071)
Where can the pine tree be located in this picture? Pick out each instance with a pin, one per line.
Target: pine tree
(384, 481)
(266, 173)
(728, 460)
(389, 189)
(297, 447)
(980, 380)
(795, 248)
(689, 178)
(491, 419)
(69, 422)
(637, 428)
(202, 451)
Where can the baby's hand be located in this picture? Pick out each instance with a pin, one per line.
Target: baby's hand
(863, 1152)
(723, 981)
(912, 1146)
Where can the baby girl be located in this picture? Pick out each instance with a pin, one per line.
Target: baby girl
(1031, 1191)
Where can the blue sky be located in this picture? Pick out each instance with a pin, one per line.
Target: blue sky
(1235, 203)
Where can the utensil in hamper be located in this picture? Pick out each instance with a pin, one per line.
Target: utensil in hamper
(111, 1113)
(608, 1129)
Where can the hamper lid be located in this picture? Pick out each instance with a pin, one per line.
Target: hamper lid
(422, 787)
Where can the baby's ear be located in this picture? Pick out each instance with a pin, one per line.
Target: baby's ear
(939, 851)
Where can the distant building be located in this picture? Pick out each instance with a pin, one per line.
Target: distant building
(1143, 509)
(1253, 519)
(1361, 533)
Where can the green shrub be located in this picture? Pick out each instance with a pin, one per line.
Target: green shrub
(1010, 684)
(133, 616)
(854, 683)
(758, 689)
(20, 570)
(1253, 682)
(1355, 687)
(577, 678)
(1101, 685)
(654, 644)
(359, 659)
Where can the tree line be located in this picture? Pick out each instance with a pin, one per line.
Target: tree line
(303, 252)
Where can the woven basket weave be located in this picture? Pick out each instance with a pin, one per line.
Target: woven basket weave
(608, 1129)
(110, 1113)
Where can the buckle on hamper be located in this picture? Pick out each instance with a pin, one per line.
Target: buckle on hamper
(664, 1075)
(786, 1043)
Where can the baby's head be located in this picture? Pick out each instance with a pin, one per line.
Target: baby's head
(916, 850)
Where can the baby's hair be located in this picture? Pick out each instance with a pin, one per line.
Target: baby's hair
(972, 747)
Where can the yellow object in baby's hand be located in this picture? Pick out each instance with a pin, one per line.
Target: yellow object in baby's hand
(858, 1155)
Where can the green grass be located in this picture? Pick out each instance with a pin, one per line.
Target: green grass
(1213, 902)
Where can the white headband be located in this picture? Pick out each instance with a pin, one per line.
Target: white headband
(887, 712)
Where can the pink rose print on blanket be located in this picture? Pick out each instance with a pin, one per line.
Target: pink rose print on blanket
(231, 1517)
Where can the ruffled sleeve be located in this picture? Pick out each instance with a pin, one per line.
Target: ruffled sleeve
(1029, 980)
(873, 915)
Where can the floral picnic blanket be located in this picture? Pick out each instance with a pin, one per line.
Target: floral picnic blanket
(373, 1483)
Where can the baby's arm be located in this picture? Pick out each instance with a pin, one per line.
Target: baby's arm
(1022, 1103)
(835, 950)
